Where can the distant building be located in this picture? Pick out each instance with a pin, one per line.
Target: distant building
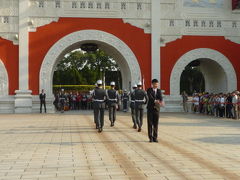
(148, 38)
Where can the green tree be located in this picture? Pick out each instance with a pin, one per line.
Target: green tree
(192, 80)
(80, 67)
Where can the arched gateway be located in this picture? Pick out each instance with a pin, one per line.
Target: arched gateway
(217, 70)
(3, 80)
(125, 58)
(141, 35)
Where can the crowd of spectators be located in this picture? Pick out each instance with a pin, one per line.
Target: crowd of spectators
(68, 100)
(218, 105)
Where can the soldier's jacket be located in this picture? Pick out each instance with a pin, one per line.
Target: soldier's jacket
(112, 97)
(141, 98)
(62, 98)
(125, 97)
(99, 97)
(132, 95)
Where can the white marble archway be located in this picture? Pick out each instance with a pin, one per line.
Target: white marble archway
(207, 54)
(117, 48)
(3, 80)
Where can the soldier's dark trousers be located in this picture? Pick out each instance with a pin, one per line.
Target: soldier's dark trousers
(43, 103)
(124, 104)
(99, 117)
(62, 106)
(152, 121)
(139, 117)
(112, 113)
(133, 116)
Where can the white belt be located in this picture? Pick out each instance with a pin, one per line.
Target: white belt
(132, 101)
(112, 99)
(97, 100)
(139, 100)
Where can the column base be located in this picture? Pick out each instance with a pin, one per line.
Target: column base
(23, 101)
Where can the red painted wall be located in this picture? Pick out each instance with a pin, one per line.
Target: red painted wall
(45, 37)
(174, 50)
(235, 4)
(9, 56)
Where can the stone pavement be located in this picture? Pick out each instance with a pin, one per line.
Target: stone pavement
(67, 147)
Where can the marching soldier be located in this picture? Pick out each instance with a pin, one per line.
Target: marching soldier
(153, 109)
(62, 99)
(141, 98)
(125, 99)
(42, 98)
(99, 96)
(113, 102)
(132, 106)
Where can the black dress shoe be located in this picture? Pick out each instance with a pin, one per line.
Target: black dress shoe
(134, 127)
(139, 129)
(151, 140)
(100, 130)
(155, 140)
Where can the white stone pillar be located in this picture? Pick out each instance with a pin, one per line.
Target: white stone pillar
(23, 98)
(156, 32)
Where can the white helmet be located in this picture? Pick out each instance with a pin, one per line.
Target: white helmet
(99, 82)
(112, 83)
(139, 83)
(134, 86)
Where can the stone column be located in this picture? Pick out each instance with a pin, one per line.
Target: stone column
(156, 32)
(23, 97)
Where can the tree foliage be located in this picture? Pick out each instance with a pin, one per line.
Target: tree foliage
(79, 67)
(192, 80)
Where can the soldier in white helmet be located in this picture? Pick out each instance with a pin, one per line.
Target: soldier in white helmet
(113, 102)
(125, 99)
(99, 97)
(62, 100)
(132, 106)
(141, 99)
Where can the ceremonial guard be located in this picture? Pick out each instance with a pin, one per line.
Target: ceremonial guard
(62, 100)
(153, 109)
(113, 102)
(99, 97)
(125, 99)
(141, 99)
(132, 106)
(42, 98)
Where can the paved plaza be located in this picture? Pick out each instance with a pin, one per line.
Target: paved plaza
(67, 147)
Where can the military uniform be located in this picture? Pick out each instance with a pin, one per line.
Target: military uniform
(141, 99)
(99, 97)
(113, 101)
(132, 106)
(125, 99)
(62, 99)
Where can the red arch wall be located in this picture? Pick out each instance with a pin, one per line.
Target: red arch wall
(174, 50)
(9, 57)
(45, 37)
(140, 43)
